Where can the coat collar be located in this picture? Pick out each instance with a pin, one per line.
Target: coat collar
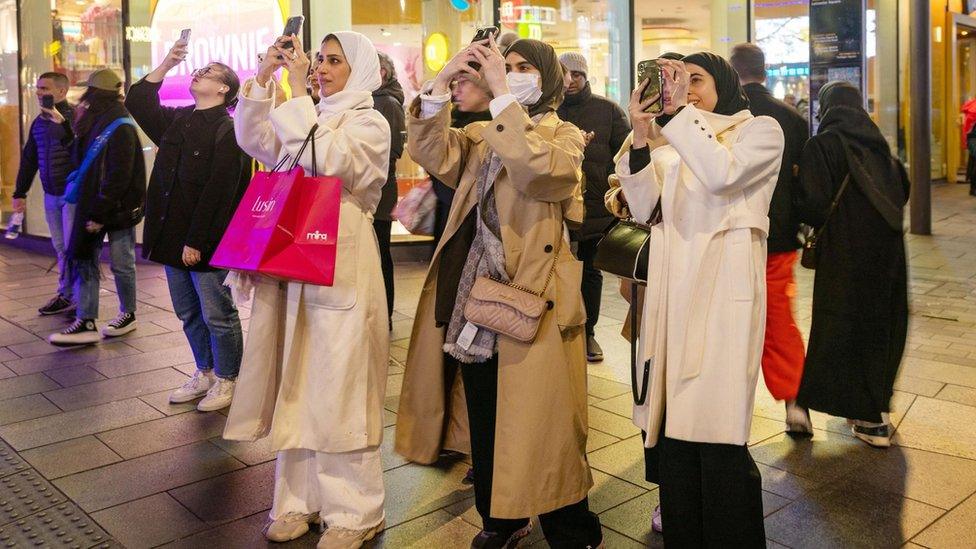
(721, 123)
(547, 125)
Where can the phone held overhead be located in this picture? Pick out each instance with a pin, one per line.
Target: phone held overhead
(650, 71)
(484, 33)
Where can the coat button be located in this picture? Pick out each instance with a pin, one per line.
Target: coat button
(196, 153)
(696, 121)
(500, 127)
(709, 136)
(548, 248)
(549, 304)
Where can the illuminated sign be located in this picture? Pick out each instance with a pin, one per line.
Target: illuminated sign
(512, 14)
(436, 51)
(232, 33)
(461, 5)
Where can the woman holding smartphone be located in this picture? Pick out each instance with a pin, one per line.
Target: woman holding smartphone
(518, 182)
(315, 365)
(711, 167)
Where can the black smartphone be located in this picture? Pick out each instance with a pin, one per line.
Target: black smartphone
(293, 27)
(482, 34)
(185, 35)
(47, 101)
(650, 71)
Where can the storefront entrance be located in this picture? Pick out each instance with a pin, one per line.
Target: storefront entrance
(962, 93)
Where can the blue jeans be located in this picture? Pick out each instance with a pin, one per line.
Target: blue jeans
(122, 247)
(60, 216)
(210, 319)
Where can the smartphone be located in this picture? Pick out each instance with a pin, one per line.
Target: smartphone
(47, 101)
(293, 26)
(482, 34)
(185, 35)
(650, 70)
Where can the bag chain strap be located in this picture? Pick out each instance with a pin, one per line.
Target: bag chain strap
(552, 271)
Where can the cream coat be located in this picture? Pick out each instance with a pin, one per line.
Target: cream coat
(705, 305)
(540, 445)
(315, 364)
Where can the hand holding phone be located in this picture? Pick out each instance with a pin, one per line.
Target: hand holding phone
(185, 36)
(482, 35)
(292, 28)
(47, 101)
(650, 78)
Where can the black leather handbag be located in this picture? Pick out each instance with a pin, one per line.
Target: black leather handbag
(624, 250)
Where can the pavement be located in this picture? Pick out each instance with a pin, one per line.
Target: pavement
(94, 456)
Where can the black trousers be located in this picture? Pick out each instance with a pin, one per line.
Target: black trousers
(592, 287)
(571, 527)
(383, 230)
(711, 494)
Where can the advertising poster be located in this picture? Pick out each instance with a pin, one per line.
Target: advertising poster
(233, 33)
(837, 38)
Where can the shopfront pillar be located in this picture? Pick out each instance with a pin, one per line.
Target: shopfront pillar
(920, 96)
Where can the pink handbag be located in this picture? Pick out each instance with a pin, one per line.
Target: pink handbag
(286, 226)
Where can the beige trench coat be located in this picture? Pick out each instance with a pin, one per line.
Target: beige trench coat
(540, 445)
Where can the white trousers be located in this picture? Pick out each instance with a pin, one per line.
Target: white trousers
(345, 489)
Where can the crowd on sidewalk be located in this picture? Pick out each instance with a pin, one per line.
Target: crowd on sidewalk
(536, 178)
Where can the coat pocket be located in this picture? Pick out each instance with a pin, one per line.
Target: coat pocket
(569, 300)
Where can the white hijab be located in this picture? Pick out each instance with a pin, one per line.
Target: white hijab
(364, 77)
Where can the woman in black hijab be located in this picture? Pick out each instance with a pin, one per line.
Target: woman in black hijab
(860, 293)
(711, 178)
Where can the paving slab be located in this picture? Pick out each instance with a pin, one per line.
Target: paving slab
(149, 522)
(77, 423)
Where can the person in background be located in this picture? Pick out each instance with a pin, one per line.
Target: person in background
(470, 98)
(315, 365)
(605, 128)
(712, 170)
(48, 152)
(388, 99)
(196, 183)
(968, 115)
(518, 178)
(110, 201)
(507, 39)
(783, 350)
(860, 291)
(313, 81)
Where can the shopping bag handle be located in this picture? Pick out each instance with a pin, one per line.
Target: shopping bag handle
(308, 139)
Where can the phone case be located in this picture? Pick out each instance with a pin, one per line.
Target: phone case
(651, 71)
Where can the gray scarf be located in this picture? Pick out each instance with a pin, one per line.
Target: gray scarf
(485, 258)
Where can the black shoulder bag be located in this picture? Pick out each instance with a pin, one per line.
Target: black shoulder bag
(809, 257)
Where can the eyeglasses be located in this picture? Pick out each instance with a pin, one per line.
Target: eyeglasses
(206, 72)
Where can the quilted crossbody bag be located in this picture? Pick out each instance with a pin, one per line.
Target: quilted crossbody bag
(507, 308)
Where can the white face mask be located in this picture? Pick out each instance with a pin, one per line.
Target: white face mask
(525, 87)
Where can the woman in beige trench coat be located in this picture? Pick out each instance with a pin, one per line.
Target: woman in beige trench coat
(526, 403)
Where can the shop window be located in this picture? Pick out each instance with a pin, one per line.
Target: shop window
(782, 30)
(9, 102)
(75, 38)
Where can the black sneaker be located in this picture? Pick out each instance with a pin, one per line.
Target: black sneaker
(123, 324)
(876, 435)
(594, 353)
(58, 304)
(494, 540)
(81, 332)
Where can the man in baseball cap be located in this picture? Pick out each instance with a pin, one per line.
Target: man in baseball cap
(605, 127)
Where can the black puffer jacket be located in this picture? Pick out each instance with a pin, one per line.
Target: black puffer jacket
(389, 101)
(47, 151)
(592, 113)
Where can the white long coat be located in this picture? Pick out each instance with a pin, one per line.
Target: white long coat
(315, 365)
(705, 305)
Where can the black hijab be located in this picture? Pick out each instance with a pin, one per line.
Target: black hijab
(876, 173)
(541, 56)
(731, 97)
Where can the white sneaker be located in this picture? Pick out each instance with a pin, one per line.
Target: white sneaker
(194, 388)
(288, 527)
(798, 419)
(218, 396)
(341, 538)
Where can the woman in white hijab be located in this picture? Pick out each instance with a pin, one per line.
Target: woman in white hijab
(315, 364)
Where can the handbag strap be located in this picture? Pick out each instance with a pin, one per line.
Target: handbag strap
(552, 272)
(94, 150)
(310, 138)
(640, 396)
(833, 206)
